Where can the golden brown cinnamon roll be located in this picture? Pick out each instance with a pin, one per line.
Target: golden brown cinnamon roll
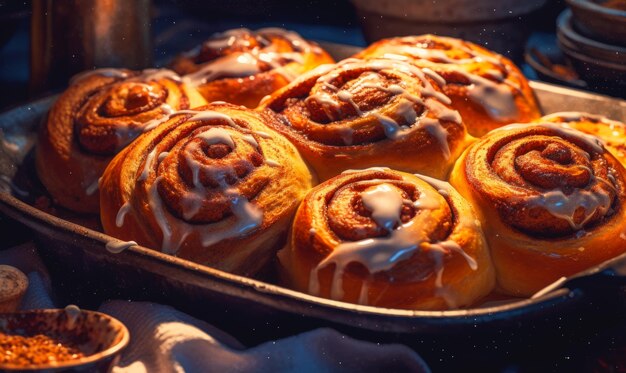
(213, 185)
(359, 114)
(611, 132)
(242, 66)
(551, 200)
(486, 88)
(390, 239)
(97, 116)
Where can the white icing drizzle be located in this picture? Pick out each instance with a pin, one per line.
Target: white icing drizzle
(233, 37)
(565, 206)
(450, 245)
(231, 66)
(229, 38)
(561, 129)
(497, 98)
(294, 38)
(146, 168)
(611, 183)
(146, 75)
(117, 246)
(391, 127)
(433, 100)
(439, 133)
(434, 76)
(577, 116)
(379, 169)
(440, 185)
(347, 96)
(126, 135)
(217, 135)
(617, 129)
(376, 254)
(91, 188)
(121, 214)
(7, 185)
(364, 292)
(263, 135)
(246, 64)
(152, 124)
(167, 109)
(382, 253)
(438, 251)
(158, 74)
(202, 115)
(72, 312)
(109, 72)
(385, 205)
(162, 156)
(250, 140)
(436, 55)
(247, 216)
(347, 135)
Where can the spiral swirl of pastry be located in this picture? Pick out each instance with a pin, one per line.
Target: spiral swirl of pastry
(387, 238)
(241, 66)
(212, 185)
(549, 197)
(485, 87)
(358, 114)
(97, 116)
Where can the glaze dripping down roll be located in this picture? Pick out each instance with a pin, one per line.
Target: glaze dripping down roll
(213, 185)
(97, 116)
(391, 239)
(611, 132)
(241, 66)
(486, 88)
(551, 200)
(359, 114)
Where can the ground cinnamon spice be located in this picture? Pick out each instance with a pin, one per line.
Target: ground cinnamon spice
(37, 349)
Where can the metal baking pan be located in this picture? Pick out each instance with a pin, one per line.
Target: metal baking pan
(254, 311)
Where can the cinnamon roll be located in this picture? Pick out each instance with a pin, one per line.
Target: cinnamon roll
(359, 114)
(242, 66)
(386, 238)
(213, 185)
(486, 88)
(98, 115)
(551, 200)
(611, 132)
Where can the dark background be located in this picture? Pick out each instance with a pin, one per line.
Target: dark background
(179, 25)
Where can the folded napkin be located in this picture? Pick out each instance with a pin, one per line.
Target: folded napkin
(166, 340)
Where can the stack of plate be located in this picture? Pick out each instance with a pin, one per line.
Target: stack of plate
(593, 37)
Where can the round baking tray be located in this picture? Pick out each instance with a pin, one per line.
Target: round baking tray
(254, 311)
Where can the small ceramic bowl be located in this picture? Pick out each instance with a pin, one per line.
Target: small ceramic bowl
(600, 22)
(602, 66)
(576, 42)
(98, 338)
(545, 73)
(13, 286)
